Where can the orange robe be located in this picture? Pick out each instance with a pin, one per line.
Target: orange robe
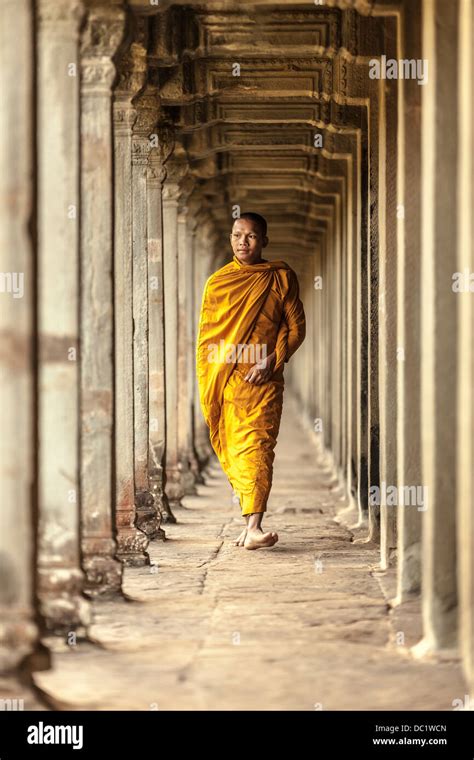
(248, 311)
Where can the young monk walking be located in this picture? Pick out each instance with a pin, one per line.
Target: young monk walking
(251, 322)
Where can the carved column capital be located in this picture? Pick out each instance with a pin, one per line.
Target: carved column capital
(156, 171)
(144, 138)
(192, 221)
(172, 188)
(187, 187)
(171, 192)
(100, 40)
(59, 13)
(148, 109)
(167, 141)
(132, 62)
(131, 67)
(125, 116)
(140, 150)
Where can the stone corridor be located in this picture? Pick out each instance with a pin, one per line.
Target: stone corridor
(132, 134)
(210, 626)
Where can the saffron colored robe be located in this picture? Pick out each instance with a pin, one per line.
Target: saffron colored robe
(248, 311)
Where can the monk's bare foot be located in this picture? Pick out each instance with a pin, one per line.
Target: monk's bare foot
(240, 540)
(257, 539)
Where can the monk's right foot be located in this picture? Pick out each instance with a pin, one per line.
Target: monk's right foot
(240, 540)
(257, 539)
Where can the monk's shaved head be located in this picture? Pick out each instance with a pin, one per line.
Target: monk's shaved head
(258, 219)
(248, 237)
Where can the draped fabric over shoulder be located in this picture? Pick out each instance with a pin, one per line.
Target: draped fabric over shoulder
(248, 311)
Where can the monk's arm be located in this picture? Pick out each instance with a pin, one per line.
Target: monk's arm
(293, 325)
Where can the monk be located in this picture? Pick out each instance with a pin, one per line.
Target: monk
(251, 322)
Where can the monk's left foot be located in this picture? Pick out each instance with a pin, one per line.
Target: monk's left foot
(257, 539)
(240, 540)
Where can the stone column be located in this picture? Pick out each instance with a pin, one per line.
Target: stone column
(101, 37)
(409, 287)
(325, 409)
(201, 431)
(17, 460)
(156, 339)
(465, 411)
(317, 296)
(174, 485)
(132, 67)
(387, 324)
(335, 331)
(361, 347)
(352, 330)
(60, 578)
(307, 296)
(312, 297)
(328, 289)
(184, 356)
(343, 326)
(372, 287)
(148, 516)
(191, 339)
(439, 324)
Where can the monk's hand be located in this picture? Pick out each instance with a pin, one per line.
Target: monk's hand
(262, 371)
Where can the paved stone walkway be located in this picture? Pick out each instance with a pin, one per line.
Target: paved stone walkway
(305, 625)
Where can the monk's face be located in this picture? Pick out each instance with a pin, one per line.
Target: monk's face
(247, 241)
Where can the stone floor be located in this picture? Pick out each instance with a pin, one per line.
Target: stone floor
(306, 625)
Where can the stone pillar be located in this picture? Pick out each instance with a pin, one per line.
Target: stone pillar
(352, 277)
(362, 336)
(201, 431)
(101, 38)
(148, 516)
(372, 286)
(387, 323)
(325, 407)
(317, 296)
(343, 329)
(60, 578)
(465, 410)
(184, 356)
(132, 66)
(439, 324)
(307, 296)
(335, 354)
(190, 311)
(17, 460)
(174, 484)
(311, 302)
(409, 286)
(156, 341)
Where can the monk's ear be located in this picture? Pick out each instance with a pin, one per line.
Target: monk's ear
(265, 242)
